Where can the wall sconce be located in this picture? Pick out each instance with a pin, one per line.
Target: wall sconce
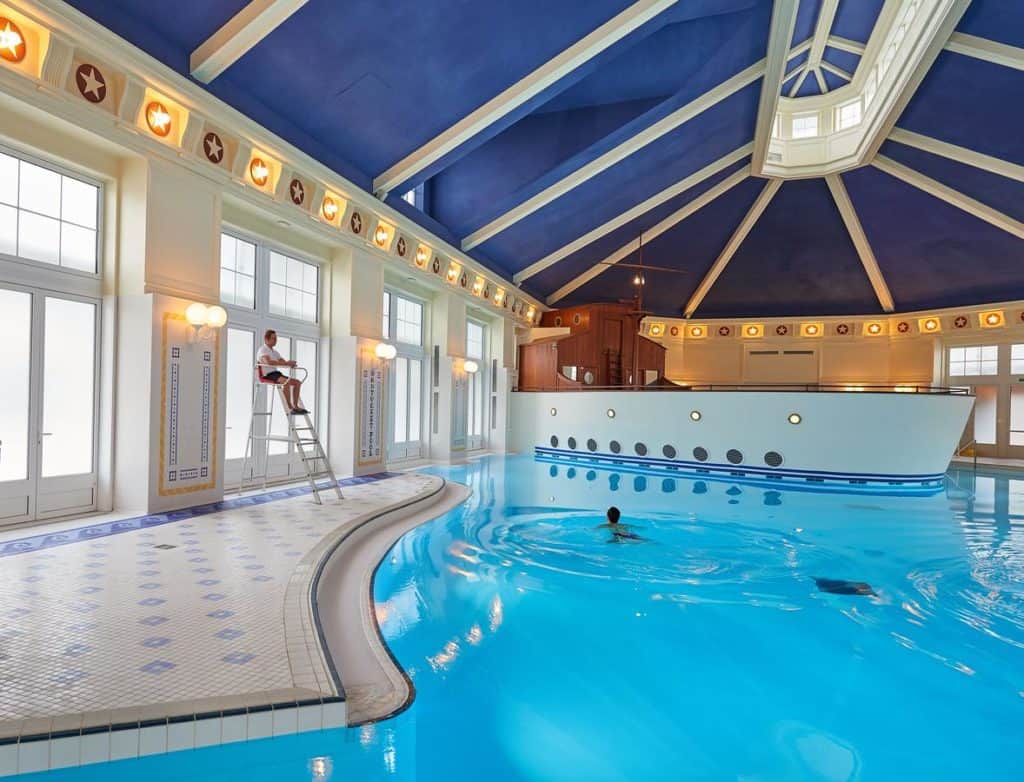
(382, 235)
(478, 286)
(12, 42)
(158, 119)
(453, 272)
(753, 330)
(204, 319)
(258, 172)
(531, 312)
(385, 351)
(470, 366)
(873, 329)
(697, 332)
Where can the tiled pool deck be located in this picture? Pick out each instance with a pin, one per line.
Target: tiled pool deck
(148, 622)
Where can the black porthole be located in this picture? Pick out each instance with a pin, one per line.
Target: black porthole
(641, 449)
(614, 446)
(700, 454)
(734, 456)
(591, 444)
(554, 441)
(571, 442)
(773, 458)
(669, 451)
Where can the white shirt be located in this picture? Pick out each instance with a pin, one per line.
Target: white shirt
(266, 352)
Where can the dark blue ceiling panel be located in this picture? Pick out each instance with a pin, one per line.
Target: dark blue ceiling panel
(832, 81)
(855, 19)
(971, 103)
(809, 86)
(552, 278)
(806, 18)
(691, 247)
(797, 260)
(998, 20)
(930, 253)
(1002, 193)
(721, 129)
(848, 61)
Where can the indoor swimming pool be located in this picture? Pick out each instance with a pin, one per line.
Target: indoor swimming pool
(752, 634)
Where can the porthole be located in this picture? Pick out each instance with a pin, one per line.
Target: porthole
(794, 418)
(773, 458)
(591, 475)
(588, 378)
(591, 444)
(611, 413)
(554, 441)
(734, 456)
(614, 446)
(554, 411)
(641, 449)
(553, 471)
(639, 484)
(570, 473)
(695, 415)
(668, 486)
(558, 320)
(577, 319)
(700, 454)
(669, 451)
(571, 442)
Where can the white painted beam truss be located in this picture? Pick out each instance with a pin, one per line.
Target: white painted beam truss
(777, 55)
(950, 196)
(648, 236)
(531, 85)
(240, 34)
(744, 228)
(650, 134)
(960, 154)
(984, 49)
(631, 214)
(860, 241)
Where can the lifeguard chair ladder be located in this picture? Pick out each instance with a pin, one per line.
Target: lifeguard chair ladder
(301, 433)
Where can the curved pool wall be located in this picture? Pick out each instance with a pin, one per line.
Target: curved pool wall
(540, 652)
(839, 439)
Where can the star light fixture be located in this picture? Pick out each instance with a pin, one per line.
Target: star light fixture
(478, 286)
(158, 119)
(992, 319)
(258, 172)
(380, 236)
(422, 256)
(929, 324)
(499, 297)
(453, 272)
(873, 329)
(329, 209)
(12, 42)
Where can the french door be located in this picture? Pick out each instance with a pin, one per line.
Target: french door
(405, 396)
(49, 398)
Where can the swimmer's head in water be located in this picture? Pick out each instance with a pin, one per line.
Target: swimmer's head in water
(613, 515)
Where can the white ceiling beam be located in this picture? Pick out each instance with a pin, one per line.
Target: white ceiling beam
(242, 32)
(647, 236)
(822, 29)
(940, 29)
(959, 154)
(780, 34)
(527, 88)
(821, 81)
(985, 49)
(796, 85)
(837, 71)
(800, 48)
(637, 142)
(950, 196)
(794, 72)
(631, 214)
(860, 241)
(765, 198)
(845, 44)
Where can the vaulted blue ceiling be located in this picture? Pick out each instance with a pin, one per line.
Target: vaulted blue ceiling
(360, 85)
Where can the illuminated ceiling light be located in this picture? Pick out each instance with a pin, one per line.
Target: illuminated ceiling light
(470, 366)
(991, 319)
(158, 119)
(657, 329)
(874, 329)
(216, 316)
(259, 172)
(930, 324)
(380, 236)
(531, 312)
(453, 273)
(329, 209)
(421, 256)
(611, 413)
(794, 418)
(697, 331)
(638, 279)
(812, 330)
(385, 351)
(695, 415)
(499, 297)
(196, 314)
(478, 286)
(12, 42)
(753, 330)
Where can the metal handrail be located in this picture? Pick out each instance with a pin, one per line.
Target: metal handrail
(847, 388)
(973, 445)
(281, 368)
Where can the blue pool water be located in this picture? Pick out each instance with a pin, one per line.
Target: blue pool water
(541, 652)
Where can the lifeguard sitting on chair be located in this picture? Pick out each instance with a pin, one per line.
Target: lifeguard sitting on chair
(266, 357)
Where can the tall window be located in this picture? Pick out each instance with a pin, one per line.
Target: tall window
(477, 394)
(403, 323)
(237, 272)
(805, 126)
(293, 287)
(974, 360)
(48, 216)
(849, 115)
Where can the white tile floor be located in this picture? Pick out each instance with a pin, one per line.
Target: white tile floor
(178, 618)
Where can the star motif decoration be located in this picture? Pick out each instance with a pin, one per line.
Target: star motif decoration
(90, 83)
(781, 330)
(158, 119)
(960, 322)
(436, 266)
(401, 246)
(12, 42)
(298, 192)
(356, 222)
(213, 147)
(842, 328)
(723, 331)
(903, 327)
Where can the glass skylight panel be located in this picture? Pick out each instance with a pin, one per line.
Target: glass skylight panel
(46, 216)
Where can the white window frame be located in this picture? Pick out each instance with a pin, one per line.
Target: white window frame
(838, 119)
(410, 352)
(817, 126)
(99, 184)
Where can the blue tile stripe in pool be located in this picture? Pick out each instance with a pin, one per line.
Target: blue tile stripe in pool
(94, 531)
